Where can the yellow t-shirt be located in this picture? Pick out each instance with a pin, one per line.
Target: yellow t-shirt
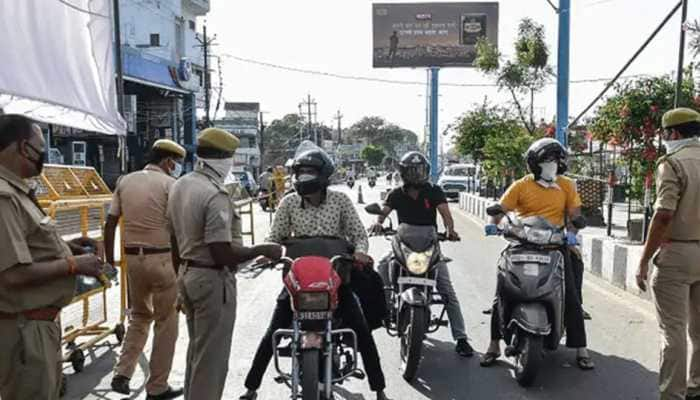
(528, 198)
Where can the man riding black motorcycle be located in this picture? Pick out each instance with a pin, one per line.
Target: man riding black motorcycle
(548, 194)
(417, 203)
(316, 211)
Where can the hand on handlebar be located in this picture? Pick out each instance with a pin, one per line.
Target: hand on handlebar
(376, 228)
(491, 230)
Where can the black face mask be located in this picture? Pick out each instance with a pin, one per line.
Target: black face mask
(307, 188)
(39, 162)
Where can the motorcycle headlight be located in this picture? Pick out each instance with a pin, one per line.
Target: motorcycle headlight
(312, 301)
(418, 263)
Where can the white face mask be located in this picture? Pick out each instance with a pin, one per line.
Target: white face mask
(549, 170)
(177, 170)
(674, 145)
(222, 166)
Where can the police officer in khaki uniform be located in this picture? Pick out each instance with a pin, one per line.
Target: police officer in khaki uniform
(199, 214)
(675, 234)
(37, 270)
(141, 199)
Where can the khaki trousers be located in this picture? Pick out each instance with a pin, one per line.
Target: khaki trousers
(30, 360)
(208, 298)
(152, 294)
(676, 288)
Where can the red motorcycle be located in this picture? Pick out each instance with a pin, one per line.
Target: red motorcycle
(322, 352)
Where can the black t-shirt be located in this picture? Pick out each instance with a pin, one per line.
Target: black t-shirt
(422, 210)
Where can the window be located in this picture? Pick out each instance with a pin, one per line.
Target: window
(155, 40)
(192, 25)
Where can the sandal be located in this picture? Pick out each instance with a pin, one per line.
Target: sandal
(488, 359)
(585, 363)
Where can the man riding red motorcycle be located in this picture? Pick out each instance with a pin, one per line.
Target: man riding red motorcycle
(316, 211)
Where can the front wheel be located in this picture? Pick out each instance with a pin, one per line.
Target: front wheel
(412, 337)
(528, 362)
(310, 375)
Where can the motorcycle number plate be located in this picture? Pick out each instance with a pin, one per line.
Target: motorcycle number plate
(311, 340)
(531, 269)
(410, 280)
(530, 258)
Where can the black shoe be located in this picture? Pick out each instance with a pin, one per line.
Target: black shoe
(168, 394)
(463, 348)
(381, 395)
(120, 384)
(586, 315)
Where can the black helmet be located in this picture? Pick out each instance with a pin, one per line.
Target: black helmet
(414, 168)
(546, 149)
(318, 160)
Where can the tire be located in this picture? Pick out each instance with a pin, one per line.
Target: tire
(412, 341)
(529, 360)
(310, 366)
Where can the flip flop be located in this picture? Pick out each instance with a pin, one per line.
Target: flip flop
(488, 359)
(585, 363)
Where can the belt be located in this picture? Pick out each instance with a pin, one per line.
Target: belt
(39, 314)
(192, 264)
(135, 251)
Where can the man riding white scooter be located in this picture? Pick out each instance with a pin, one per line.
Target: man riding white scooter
(548, 194)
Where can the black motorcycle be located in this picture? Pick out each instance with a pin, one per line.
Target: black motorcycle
(412, 288)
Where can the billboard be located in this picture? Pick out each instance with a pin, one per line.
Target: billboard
(431, 34)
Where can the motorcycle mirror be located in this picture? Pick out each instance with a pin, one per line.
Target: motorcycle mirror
(494, 210)
(373, 209)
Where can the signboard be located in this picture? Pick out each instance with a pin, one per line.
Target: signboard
(431, 34)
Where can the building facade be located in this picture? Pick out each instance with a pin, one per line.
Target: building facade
(243, 120)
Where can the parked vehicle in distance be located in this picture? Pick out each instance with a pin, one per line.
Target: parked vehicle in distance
(458, 178)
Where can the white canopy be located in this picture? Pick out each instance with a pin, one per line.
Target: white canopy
(57, 63)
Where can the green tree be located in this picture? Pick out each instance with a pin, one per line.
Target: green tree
(378, 132)
(281, 139)
(525, 75)
(503, 154)
(631, 119)
(474, 127)
(374, 155)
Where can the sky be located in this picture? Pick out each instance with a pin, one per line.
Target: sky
(335, 36)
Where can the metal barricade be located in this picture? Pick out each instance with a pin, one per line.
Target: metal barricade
(76, 198)
(245, 208)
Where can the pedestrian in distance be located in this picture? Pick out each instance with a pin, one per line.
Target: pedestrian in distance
(199, 215)
(37, 270)
(140, 199)
(673, 245)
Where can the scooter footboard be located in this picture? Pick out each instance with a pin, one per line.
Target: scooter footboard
(531, 317)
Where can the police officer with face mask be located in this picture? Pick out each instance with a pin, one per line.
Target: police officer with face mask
(673, 245)
(548, 194)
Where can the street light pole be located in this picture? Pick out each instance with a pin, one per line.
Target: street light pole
(681, 54)
(433, 122)
(563, 72)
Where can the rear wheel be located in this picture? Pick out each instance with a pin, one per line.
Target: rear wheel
(310, 375)
(412, 336)
(528, 362)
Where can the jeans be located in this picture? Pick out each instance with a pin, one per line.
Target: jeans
(350, 312)
(444, 286)
(573, 313)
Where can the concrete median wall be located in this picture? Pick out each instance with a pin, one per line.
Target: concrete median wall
(613, 260)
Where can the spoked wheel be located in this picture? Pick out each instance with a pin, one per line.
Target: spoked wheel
(528, 361)
(310, 375)
(412, 336)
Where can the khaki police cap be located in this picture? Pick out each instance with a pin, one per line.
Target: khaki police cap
(170, 147)
(218, 139)
(679, 116)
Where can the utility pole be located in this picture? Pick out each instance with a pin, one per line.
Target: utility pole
(308, 102)
(339, 118)
(563, 72)
(123, 150)
(433, 123)
(681, 54)
(262, 141)
(205, 43)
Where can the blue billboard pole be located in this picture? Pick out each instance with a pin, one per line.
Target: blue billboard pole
(433, 123)
(563, 72)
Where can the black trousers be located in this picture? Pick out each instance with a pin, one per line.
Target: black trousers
(577, 267)
(573, 313)
(351, 313)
